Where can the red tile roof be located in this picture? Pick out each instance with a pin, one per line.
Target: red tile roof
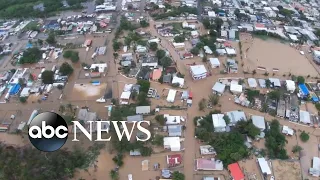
(174, 159)
(235, 171)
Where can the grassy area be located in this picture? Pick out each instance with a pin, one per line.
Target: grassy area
(177, 26)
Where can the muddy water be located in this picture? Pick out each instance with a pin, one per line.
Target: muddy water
(273, 54)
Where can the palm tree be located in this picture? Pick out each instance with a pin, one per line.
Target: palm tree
(114, 175)
(62, 108)
(213, 99)
(69, 106)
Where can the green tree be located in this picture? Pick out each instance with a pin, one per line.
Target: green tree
(157, 140)
(118, 160)
(179, 39)
(218, 23)
(144, 23)
(274, 95)
(145, 151)
(296, 148)
(143, 99)
(30, 56)
(144, 85)
(153, 46)
(213, 99)
(300, 80)
(160, 119)
(47, 77)
(202, 104)
(206, 23)
(275, 141)
(67, 54)
(304, 136)
(227, 119)
(114, 175)
(116, 45)
(160, 54)
(51, 38)
(23, 99)
(66, 69)
(99, 2)
(176, 175)
(247, 127)
(195, 51)
(115, 55)
(165, 62)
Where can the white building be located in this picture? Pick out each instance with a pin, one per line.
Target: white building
(316, 56)
(172, 143)
(315, 170)
(305, 117)
(287, 131)
(178, 45)
(173, 120)
(101, 67)
(218, 88)
(207, 50)
(214, 62)
(275, 82)
(236, 88)
(124, 98)
(236, 116)
(259, 122)
(291, 86)
(231, 51)
(219, 124)
(264, 166)
(198, 72)
(252, 82)
(171, 95)
(177, 80)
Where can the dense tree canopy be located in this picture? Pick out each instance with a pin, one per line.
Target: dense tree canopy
(31, 55)
(144, 85)
(72, 55)
(160, 53)
(153, 46)
(66, 69)
(29, 8)
(276, 141)
(31, 164)
(47, 77)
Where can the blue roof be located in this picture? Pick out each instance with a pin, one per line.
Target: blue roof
(14, 89)
(315, 98)
(304, 89)
(29, 45)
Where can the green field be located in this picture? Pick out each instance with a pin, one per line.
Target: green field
(26, 8)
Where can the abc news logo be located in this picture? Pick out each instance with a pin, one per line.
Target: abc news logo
(48, 131)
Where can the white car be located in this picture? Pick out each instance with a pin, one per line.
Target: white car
(301, 52)
(130, 177)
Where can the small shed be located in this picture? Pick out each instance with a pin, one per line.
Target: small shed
(290, 85)
(236, 88)
(305, 117)
(275, 82)
(214, 62)
(218, 88)
(262, 83)
(171, 95)
(252, 82)
(143, 110)
(219, 124)
(178, 80)
(175, 130)
(264, 166)
(259, 122)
